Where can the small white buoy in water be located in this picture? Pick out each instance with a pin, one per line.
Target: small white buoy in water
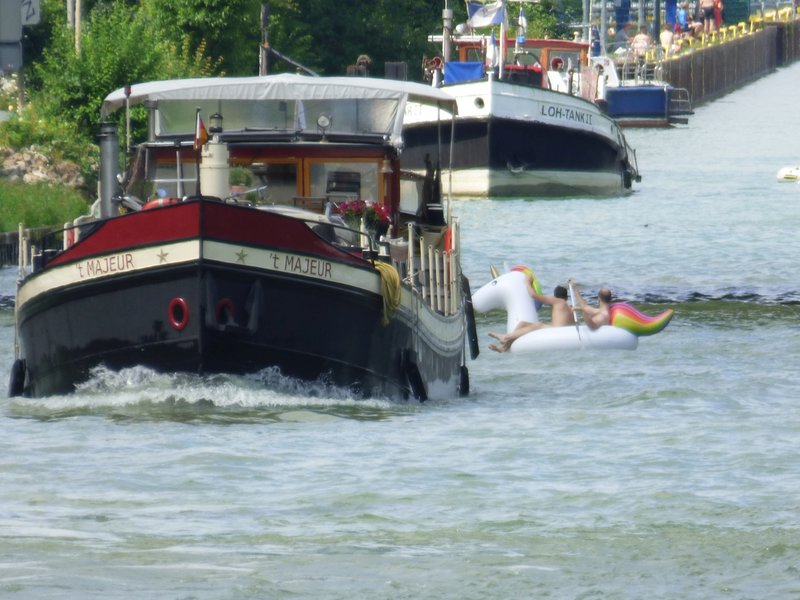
(789, 174)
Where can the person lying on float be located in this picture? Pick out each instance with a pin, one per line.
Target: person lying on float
(561, 315)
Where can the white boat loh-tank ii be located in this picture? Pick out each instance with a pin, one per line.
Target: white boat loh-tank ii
(527, 124)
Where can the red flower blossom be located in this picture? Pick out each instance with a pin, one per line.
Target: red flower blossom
(375, 216)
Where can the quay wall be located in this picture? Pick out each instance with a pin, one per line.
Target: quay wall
(788, 40)
(9, 244)
(712, 71)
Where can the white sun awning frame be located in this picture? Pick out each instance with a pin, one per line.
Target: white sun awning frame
(283, 102)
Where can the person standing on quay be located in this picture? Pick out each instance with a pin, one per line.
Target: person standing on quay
(718, 8)
(707, 13)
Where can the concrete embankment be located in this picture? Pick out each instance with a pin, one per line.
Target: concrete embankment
(710, 71)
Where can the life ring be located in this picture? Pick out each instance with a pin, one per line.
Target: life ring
(225, 311)
(159, 202)
(178, 313)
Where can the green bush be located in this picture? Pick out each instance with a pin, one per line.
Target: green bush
(119, 47)
(38, 205)
(240, 176)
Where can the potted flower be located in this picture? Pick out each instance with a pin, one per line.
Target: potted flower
(375, 216)
(376, 220)
(351, 212)
(240, 179)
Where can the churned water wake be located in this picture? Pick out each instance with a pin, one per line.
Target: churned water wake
(142, 393)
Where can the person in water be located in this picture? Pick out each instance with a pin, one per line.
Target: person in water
(594, 317)
(561, 315)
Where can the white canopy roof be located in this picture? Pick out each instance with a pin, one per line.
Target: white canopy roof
(298, 89)
(285, 86)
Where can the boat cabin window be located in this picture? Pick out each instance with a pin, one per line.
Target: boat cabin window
(345, 180)
(525, 58)
(169, 181)
(524, 68)
(563, 60)
(473, 54)
(280, 179)
(411, 189)
(373, 115)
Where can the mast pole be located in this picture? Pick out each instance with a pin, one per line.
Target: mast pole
(587, 10)
(603, 29)
(501, 60)
(447, 31)
(263, 55)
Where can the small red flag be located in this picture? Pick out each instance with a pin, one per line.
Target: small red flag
(200, 133)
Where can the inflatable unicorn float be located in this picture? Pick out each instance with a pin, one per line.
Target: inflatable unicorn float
(509, 292)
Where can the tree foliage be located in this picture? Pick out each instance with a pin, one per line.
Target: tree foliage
(128, 41)
(118, 47)
(229, 30)
(323, 35)
(328, 37)
(543, 20)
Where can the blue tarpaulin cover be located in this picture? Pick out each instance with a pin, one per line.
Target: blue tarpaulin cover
(455, 72)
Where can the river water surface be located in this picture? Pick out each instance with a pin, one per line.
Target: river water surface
(672, 471)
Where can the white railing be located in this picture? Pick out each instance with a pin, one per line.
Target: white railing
(431, 266)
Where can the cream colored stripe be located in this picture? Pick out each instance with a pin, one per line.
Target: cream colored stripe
(293, 264)
(108, 265)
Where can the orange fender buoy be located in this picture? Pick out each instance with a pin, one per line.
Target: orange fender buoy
(159, 202)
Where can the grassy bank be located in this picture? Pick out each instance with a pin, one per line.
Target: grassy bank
(38, 205)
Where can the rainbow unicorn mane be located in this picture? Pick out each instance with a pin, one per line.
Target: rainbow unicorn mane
(537, 287)
(627, 317)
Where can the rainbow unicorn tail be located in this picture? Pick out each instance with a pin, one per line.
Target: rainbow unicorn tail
(626, 317)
